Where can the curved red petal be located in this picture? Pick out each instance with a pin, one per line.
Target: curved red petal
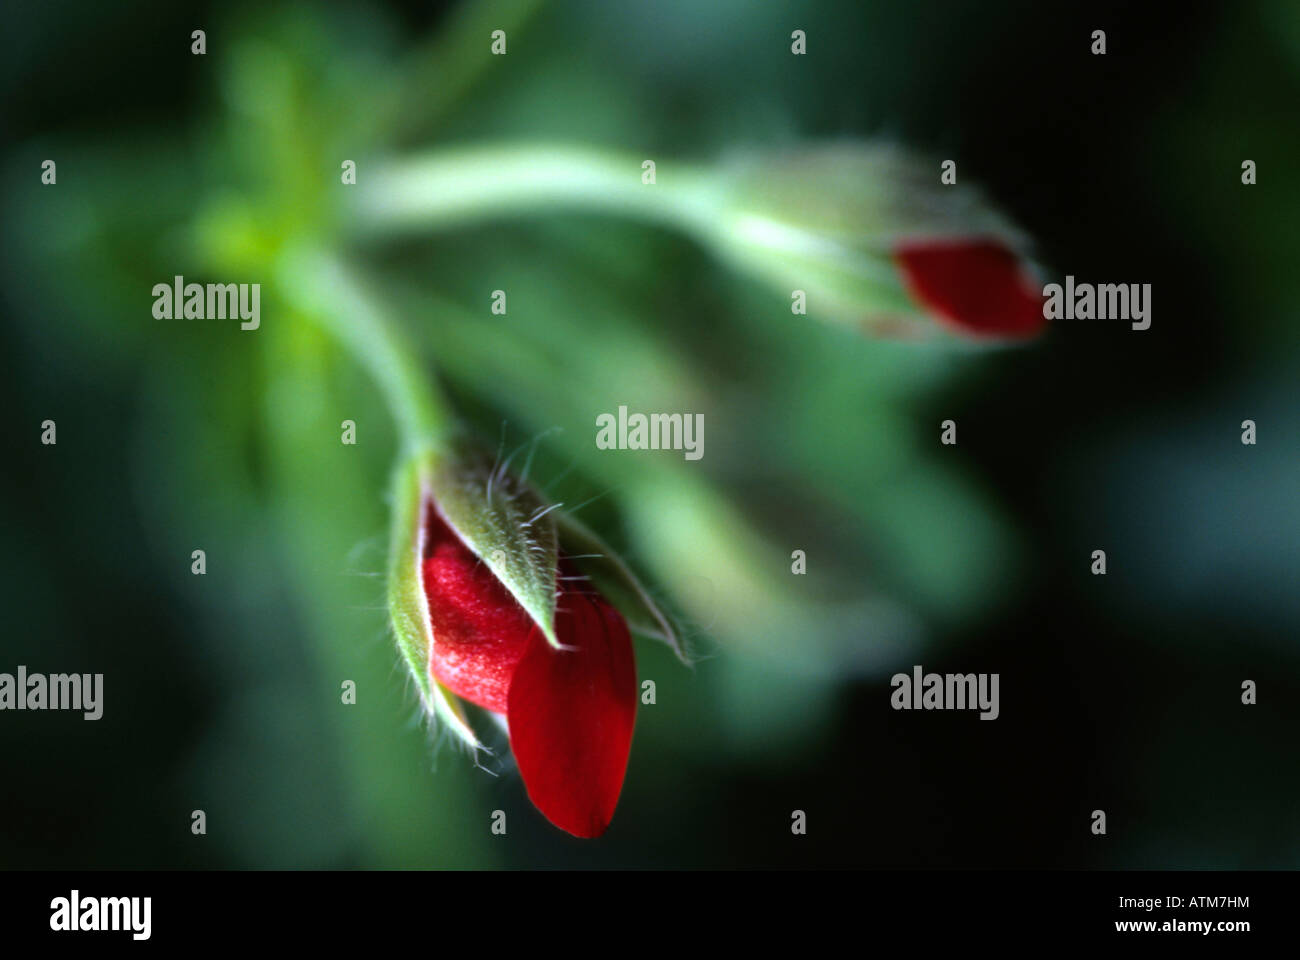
(571, 715)
(479, 630)
(976, 286)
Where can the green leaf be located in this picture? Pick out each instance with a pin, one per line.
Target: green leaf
(617, 583)
(507, 525)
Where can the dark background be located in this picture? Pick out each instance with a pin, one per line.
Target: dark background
(1120, 693)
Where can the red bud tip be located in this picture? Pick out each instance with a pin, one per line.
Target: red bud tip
(571, 715)
(977, 287)
(479, 630)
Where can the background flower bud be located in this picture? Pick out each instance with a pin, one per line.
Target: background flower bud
(851, 224)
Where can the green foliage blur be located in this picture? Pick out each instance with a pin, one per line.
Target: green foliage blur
(223, 691)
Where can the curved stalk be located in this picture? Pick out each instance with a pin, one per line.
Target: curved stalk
(471, 184)
(323, 286)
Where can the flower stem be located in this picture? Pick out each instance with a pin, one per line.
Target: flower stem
(471, 184)
(326, 289)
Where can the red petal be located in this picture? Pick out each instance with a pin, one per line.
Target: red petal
(479, 630)
(976, 286)
(571, 715)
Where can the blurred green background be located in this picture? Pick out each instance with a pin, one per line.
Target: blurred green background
(222, 691)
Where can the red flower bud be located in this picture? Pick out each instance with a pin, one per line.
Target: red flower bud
(976, 286)
(570, 711)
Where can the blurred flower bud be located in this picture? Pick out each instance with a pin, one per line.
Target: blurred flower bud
(875, 239)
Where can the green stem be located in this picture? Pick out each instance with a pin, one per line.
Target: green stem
(326, 289)
(471, 184)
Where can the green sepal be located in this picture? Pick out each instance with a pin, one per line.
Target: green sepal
(507, 525)
(616, 582)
